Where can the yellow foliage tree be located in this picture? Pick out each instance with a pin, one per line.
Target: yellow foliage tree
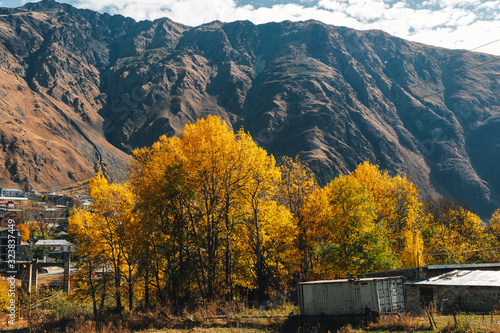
(455, 235)
(348, 241)
(205, 193)
(269, 232)
(92, 278)
(103, 234)
(398, 207)
(295, 188)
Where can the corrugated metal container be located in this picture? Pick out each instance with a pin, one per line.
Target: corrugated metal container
(352, 297)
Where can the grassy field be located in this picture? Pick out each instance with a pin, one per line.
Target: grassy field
(277, 320)
(58, 313)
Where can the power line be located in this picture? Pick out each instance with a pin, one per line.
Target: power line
(460, 252)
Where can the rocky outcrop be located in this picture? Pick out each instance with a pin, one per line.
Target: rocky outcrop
(333, 95)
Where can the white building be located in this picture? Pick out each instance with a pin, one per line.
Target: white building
(56, 246)
(11, 193)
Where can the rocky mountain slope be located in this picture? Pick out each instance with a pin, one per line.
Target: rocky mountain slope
(78, 87)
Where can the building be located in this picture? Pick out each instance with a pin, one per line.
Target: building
(9, 205)
(5, 234)
(58, 248)
(11, 193)
(4, 220)
(429, 271)
(459, 290)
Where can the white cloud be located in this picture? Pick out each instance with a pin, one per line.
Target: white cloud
(457, 23)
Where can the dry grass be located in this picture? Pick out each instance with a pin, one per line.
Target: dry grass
(214, 317)
(404, 323)
(461, 323)
(60, 314)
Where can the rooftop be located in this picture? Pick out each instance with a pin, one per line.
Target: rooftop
(352, 280)
(53, 242)
(464, 278)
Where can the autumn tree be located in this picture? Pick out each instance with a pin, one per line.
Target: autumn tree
(454, 234)
(202, 192)
(269, 232)
(110, 221)
(92, 277)
(296, 186)
(24, 230)
(398, 207)
(348, 240)
(158, 177)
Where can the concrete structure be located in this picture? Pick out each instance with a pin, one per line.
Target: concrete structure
(13, 193)
(5, 234)
(460, 290)
(29, 274)
(352, 297)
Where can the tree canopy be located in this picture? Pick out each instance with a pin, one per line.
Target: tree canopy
(210, 215)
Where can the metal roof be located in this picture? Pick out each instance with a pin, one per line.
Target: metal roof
(53, 242)
(464, 266)
(352, 280)
(464, 278)
(14, 198)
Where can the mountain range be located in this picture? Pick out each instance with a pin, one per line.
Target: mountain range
(80, 90)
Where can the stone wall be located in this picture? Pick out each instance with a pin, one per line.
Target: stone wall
(447, 298)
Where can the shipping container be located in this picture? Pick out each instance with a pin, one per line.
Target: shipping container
(352, 297)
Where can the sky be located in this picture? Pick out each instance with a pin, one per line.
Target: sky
(455, 24)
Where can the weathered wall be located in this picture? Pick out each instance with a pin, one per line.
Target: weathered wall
(461, 298)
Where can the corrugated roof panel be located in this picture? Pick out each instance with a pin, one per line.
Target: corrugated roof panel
(465, 278)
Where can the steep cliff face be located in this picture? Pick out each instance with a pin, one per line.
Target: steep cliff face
(335, 96)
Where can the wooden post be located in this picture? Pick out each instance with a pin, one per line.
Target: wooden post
(66, 280)
(429, 316)
(26, 277)
(34, 274)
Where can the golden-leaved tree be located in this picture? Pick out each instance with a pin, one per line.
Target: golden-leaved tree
(399, 209)
(296, 187)
(268, 232)
(453, 234)
(210, 197)
(348, 241)
(106, 237)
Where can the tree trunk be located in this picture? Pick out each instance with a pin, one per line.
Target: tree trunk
(118, 294)
(258, 253)
(146, 288)
(130, 289)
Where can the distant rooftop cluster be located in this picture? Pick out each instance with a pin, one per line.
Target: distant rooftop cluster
(40, 222)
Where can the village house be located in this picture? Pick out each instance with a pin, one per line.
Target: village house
(9, 205)
(58, 248)
(4, 220)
